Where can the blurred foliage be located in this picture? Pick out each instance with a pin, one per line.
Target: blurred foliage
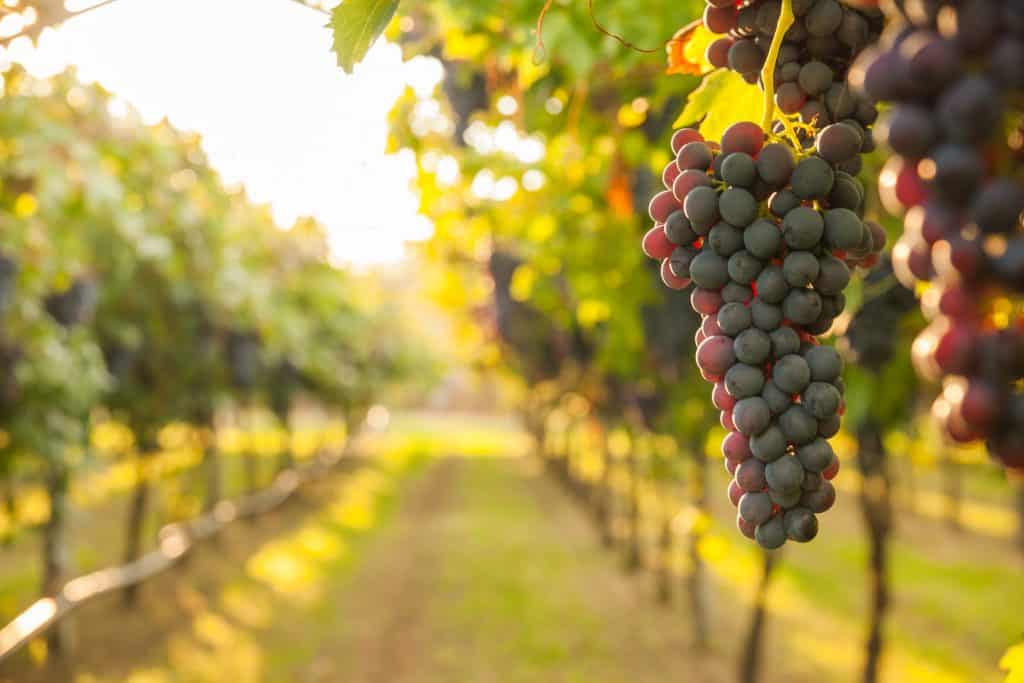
(142, 285)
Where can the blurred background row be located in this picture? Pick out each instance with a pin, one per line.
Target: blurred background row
(223, 261)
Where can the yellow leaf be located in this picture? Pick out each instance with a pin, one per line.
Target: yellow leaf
(688, 48)
(723, 99)
(522, 282)
(25, 206)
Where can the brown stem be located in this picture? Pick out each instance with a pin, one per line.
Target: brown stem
(57, 558)
(1019, 487)
(605, 494)
(953, 485)
(136, 522)
(750, 664)
(665, 545)
(696, 583)
(876, 507)
(633, 558)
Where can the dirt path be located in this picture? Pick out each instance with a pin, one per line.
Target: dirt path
(389, 632)
(489, 572)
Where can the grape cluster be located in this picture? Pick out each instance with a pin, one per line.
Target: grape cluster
(954, 72)
(8, 273)
(768, 238)
(74, 305)
(869, 335)
(243, 351)
(810, 74)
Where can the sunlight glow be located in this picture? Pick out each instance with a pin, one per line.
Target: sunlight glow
(257, 79)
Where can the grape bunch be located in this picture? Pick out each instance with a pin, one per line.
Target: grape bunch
(810, 74)
(244, 355)
(954, 72)
(74, 305)
(8, 273)
(869, 336)
(769, 237)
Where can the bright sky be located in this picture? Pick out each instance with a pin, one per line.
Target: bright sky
(258, 80)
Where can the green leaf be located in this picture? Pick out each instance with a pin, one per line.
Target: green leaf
(357, 24)
(723, 99)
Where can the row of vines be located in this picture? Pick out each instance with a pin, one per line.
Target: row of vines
(153, 319)
(834, 272)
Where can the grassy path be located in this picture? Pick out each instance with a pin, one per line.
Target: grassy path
(425, 569)
(489, 573)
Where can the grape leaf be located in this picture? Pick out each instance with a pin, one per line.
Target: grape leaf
(1013, 663)
(722, 99)
(357, 24)
(687, 50)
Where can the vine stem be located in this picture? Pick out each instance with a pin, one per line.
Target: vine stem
(786, 19)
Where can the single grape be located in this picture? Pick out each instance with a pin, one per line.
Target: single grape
(683, 136)
(739, 169)
(744, 381)
(725, 239)
(847, 193)
(803, 227)
(829, 427)
(679, 261)
(721, 398)
(715, 355)
(769, 445)
(824, 18)
(800, 268)
(686, 182)
(752, 346)
(734, 292)
(843, 229)
(824, 363)
(772, 534)
(798, 425)
(778, 400)
(678, 229)
(766, 316)
(755, 507)
(694, 155)
(782, 202)
(802, 306)
(745, 57)
(822, 400)
(785, 474)
(750, 475)
(735, 491)
(705, 301)
(751, 416)
(737, 206)
(733, 318)
(812, 178)
(701, 206)
(801, 524)
(833, 276)
(744, 137)
(838, 142)
(821, 500)
(736, 446)
(744, 267)
(815, 78)
(771, 285)
(655, 245)
(775, 164)
(709, 270)
(762, 238)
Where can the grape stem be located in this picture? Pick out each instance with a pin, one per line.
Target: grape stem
(786, 19)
